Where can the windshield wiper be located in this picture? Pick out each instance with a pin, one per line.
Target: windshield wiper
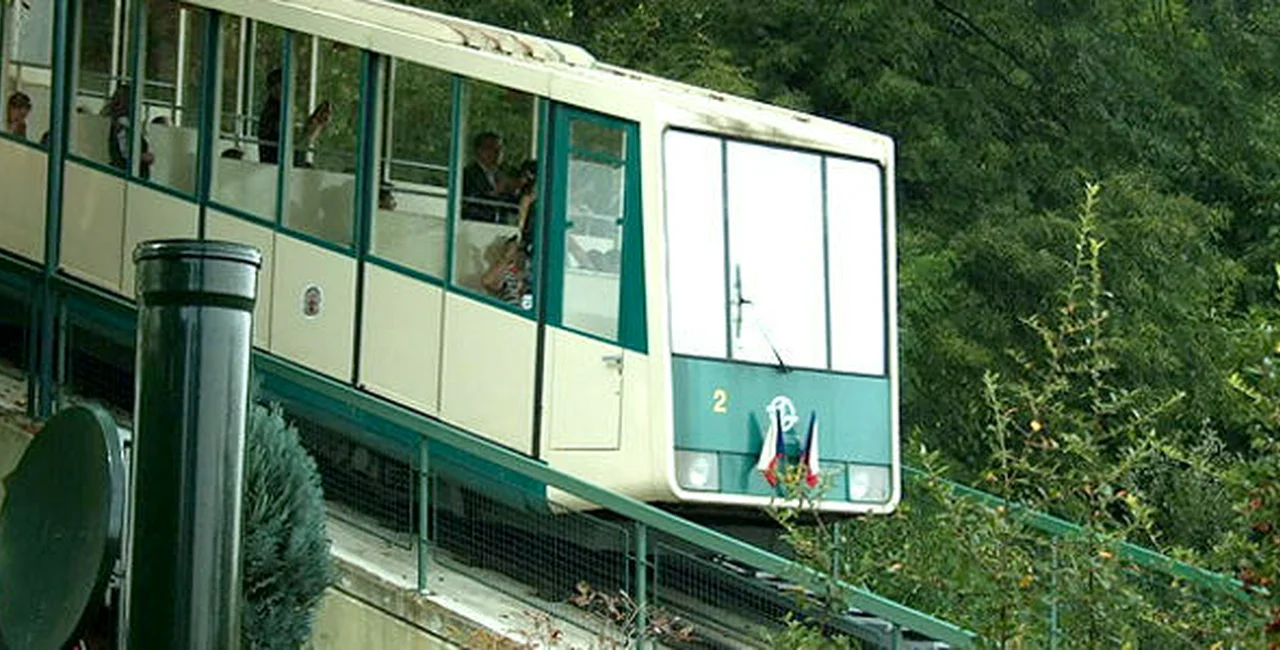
(740, 300)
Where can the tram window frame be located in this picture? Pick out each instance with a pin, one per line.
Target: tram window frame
(462, 158)
(631, 319)
(724, 268)
(248, 90)
(179, 116)
(386, 179)
(121, 71)
(9, 88)
(297, 119)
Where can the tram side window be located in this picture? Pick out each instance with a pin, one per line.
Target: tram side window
(326, 123)
(29, 43)
(171, 99)
(101, 124)
(249, 94)
(412, 210)
(494, 241)
(593, 231)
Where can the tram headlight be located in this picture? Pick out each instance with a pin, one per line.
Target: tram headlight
(868, 483)
(698, 470)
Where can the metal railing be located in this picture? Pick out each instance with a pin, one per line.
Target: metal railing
(483, 507)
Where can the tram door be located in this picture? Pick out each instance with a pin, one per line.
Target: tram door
(592, 263)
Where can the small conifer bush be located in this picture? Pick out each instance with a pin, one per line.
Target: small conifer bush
(285, 548)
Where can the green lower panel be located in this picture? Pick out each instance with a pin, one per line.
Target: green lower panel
(720, 406)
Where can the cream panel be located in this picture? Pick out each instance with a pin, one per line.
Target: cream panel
(637, 467)
(320, 340)
(150, 214)
(583, 396)
(92, 225)
(487, 372)
(23, 171)
(400, 340)
(225, 227)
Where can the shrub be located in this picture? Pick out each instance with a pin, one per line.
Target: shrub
(285, 547)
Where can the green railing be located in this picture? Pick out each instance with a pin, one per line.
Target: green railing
(497, 527)
(1057, 527)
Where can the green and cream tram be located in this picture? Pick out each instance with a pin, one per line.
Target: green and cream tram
(654, 287)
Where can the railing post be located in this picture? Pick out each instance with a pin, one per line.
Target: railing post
(642, 585)
(424, 511)
(1053, 594)
(182, 558)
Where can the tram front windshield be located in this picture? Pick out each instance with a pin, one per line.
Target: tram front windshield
(775, 255)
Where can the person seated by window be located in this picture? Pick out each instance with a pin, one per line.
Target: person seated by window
(16, 112)
(488, 193)
(508, 277)
(269, 125)
(119, 110)
(386, 200)
(527, 206)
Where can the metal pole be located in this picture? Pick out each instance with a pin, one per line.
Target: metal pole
(59, 117)
(195, 325)
(180, 89)
(424, 511)
(642, 586)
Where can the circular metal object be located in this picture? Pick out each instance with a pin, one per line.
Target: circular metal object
(60, 529)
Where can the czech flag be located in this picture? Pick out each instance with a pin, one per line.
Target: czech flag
(810, 456)
(773, 449)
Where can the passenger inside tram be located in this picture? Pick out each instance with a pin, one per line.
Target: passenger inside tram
(269, 125)
(509, 276)
(489, 193)
(16, 112)
(386, 200)
(118, 112)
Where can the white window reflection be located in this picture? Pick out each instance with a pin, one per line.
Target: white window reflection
(695, 244)
(777, 288)
(855, 236)
(593, 247)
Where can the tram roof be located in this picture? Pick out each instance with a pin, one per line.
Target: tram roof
(531, 63)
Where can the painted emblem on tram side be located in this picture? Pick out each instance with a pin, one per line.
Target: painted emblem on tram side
(785, 410)
(312, 300)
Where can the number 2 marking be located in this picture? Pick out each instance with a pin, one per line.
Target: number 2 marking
(720, 401)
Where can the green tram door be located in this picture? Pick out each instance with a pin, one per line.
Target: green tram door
(595, 292)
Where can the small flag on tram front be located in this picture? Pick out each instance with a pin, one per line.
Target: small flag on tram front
(772, 450)
(810, 456)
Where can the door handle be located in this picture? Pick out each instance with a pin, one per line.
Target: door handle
(614, 360)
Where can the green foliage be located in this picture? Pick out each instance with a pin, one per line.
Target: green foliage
(798, 636)
(1254, 545)
(1061, 436)
(285, 546)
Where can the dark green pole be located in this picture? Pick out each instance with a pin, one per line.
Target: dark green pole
(59, 118)
(195, 326)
